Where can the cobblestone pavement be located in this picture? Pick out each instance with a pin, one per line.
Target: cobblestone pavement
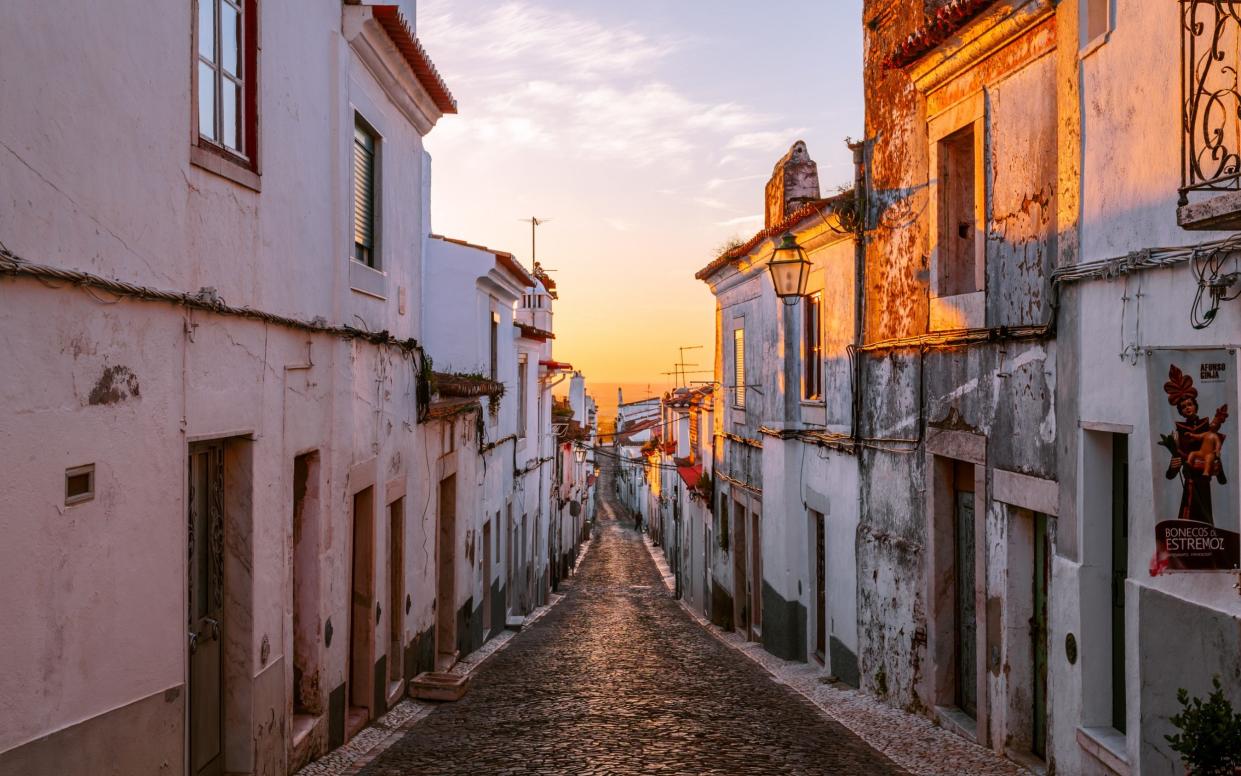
(617, 679)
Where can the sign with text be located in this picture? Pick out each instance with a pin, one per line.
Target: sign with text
(1194, 460)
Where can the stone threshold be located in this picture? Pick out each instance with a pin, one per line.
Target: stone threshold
(912, 742)
(384, 732)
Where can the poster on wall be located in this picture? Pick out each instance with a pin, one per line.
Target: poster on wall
(1194, 459)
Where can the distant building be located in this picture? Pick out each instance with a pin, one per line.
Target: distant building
(785, 507)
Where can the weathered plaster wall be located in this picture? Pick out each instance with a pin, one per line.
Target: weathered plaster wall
(93, 375)
(1003, 391)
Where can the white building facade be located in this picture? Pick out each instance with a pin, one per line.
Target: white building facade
(235, 449)
(785, 471)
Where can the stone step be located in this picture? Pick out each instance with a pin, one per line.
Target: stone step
(439, 686)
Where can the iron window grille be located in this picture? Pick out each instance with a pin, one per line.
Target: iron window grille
(1211, 99)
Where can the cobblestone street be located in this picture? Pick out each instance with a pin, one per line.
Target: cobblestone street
(617, 679)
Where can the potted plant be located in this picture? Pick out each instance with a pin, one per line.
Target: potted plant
(1209, 741)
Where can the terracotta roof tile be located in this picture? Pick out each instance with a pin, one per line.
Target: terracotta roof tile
(814, 208)
(690, 474)
(393, 22)
(503, 258)
(531, 332)
(942, 25)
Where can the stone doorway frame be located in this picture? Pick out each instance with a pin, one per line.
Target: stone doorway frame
(944, 449)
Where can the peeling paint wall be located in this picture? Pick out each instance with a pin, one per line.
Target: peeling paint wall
(1001, 392)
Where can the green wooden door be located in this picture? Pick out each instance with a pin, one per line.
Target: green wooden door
(966, 614)
(1120, 572)
(1038, 632)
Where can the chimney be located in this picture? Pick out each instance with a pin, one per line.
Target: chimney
(794, 184)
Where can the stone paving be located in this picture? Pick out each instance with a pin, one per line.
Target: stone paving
(617, 679)
(913, 742)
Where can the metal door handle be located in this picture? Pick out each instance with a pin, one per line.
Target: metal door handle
(215, 627)
(193, 642)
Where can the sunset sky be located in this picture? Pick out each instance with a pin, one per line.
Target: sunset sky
(645, 132)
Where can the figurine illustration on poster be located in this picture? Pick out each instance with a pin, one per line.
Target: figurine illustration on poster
(1194, 460)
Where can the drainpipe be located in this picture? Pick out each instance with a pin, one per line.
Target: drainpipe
(861, 217)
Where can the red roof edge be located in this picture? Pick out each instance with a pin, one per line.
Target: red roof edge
(775, 230)
(690, 474)
(534, 333)
(393, 22)
(503, 258)
(555, 365)
(942, 25)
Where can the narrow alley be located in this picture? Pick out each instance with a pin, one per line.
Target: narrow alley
(619, 669)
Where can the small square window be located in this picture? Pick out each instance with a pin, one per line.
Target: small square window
(79, 484)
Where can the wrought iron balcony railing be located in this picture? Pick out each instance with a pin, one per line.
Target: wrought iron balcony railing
(1211, 100)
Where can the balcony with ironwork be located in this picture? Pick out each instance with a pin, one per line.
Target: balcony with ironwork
(1210, 191)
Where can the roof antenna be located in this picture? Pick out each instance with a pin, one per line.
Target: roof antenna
(535, 222)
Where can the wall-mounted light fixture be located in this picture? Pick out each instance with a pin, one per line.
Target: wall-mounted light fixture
(790, 270)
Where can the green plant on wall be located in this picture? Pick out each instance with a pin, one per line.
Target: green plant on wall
(1209, 741)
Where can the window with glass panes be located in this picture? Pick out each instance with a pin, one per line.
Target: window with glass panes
(812, 348)
(224, 62)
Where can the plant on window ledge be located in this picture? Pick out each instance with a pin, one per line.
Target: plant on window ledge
(1209, 741)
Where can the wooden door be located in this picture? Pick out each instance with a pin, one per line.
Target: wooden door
(966, 614)
(487, 577)
(706, 568)
(396, 588)
(509, 560)
(1120, 572)
(756, 575)
(362, 612)
(1038, 632)
(741, 588)
(820, 588)
(206, 608)
(446, 589)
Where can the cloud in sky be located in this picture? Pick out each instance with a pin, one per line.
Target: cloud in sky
(546, 78)
(642, 129)
(525, 37)
(742, 221)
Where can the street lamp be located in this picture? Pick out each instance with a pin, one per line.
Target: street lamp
(580, 454)
(790, 269)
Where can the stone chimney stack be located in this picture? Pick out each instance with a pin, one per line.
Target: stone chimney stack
(794, 183)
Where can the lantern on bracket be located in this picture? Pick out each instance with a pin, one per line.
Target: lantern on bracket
(790, 270)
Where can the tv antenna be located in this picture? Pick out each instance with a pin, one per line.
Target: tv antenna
(681, 364)
(535, 222)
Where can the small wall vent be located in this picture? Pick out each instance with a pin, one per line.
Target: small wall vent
(79, 484)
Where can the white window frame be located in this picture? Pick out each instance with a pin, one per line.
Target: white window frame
(967, 310)
(372, 258)
(739, 365)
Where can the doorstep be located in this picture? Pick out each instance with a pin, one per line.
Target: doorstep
(439, 686)
(1107, 746)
